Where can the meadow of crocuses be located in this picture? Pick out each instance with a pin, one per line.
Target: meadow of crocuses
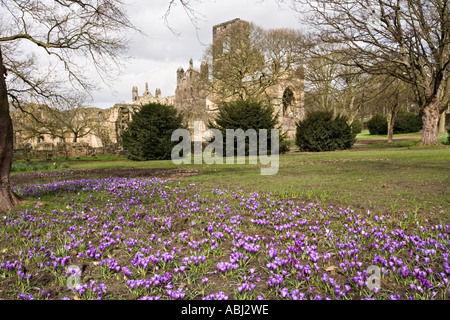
(137, 238)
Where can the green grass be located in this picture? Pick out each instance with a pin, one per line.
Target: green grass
(406, 179)
(365, 135)
(401, 178)
(37, 166)
(122, 163)
(412, 139)
(95, 158)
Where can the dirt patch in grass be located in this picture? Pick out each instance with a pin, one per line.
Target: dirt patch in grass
(73, 174)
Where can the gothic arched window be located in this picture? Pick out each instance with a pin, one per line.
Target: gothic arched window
(288, 99)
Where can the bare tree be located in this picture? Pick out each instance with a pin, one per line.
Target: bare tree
(75, 119)
(353, 94)
(191, 100)
(64, 33)
(235, 59)
(320, 81)
(29, 122)
(246, 60)
(33, 121)
(333, 85)
(99, 128)
(406, 39)
(392, 95)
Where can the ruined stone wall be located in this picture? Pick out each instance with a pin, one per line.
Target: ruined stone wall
(287, 97)
(193, 98)
(191, 95)
(147, 97)
(70, 150)
(104, 138)
(196, 102)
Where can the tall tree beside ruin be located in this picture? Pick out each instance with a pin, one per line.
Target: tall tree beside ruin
(71, 34)
(246, 60)
(235, 59)
(394, 97)
(406, 39)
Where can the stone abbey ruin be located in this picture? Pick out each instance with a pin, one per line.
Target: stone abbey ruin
(196, 95)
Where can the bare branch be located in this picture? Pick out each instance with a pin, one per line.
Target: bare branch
(194, 16)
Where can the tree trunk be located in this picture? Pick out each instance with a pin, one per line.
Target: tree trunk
(430, 119)
(393, 116)
(8, 200)
(394, 112)
(66, 152)
(442, 122)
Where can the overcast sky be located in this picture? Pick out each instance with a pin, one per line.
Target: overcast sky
(156, 57)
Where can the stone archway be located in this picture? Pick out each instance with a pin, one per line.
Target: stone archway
(288, 101)
(289, 110)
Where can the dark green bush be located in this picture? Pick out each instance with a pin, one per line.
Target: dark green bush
(248, 114)
(356, 127)
(378, 124)
(148, 136)
(448, 138)
(407, 122)
(320, 131)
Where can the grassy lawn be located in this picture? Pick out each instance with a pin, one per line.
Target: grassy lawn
(389, 180)
(394, 179)
(400, 140)
(400, 177)
(365, 135)
(308, 232)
